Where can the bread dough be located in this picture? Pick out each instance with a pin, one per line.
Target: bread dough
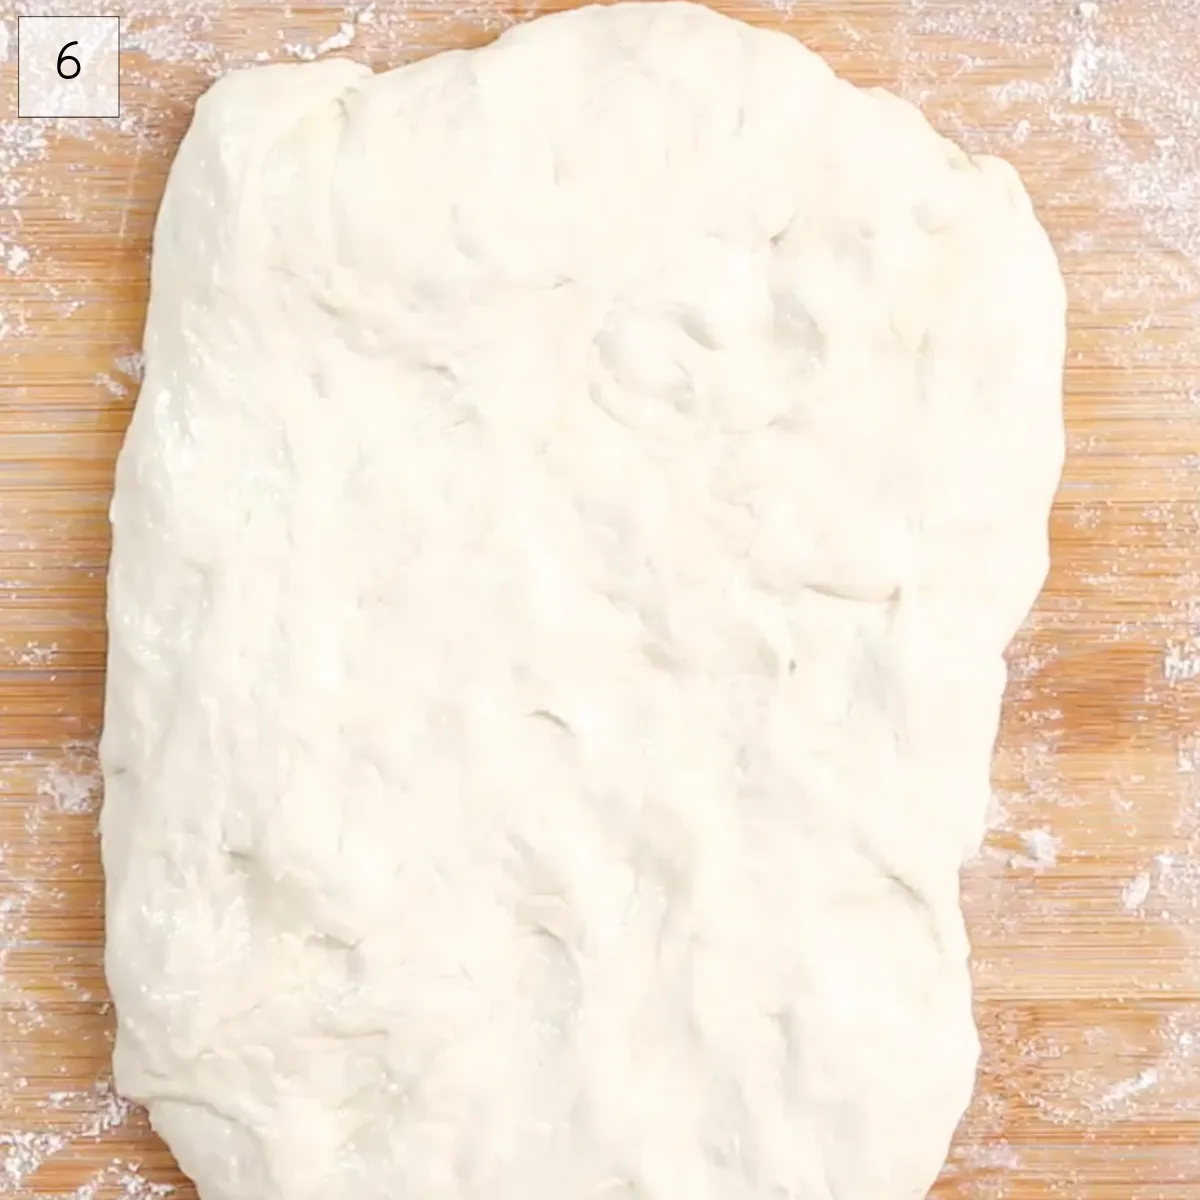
(579, 498)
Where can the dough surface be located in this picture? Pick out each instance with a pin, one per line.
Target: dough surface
(579, 498)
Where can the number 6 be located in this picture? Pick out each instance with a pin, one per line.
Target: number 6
(64, 56)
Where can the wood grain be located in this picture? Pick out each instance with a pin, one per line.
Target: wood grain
(1089, 1006)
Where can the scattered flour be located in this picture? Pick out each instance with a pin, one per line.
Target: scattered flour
(1125, 1090)
(70, 791)
(126, 1180)
(1041, 850)
(35, 655)
(1182, 658)
(1087, 59)
(15, 259)
(131, 365)
(343, 37)
(114, 387)
(94, 1113)
(24, 1153)
(1135, 892)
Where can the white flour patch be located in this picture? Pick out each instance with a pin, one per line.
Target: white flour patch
(16, 897)
(1182, 659)
(338, 40)
(70, 791)
(1041, 848)
(15, 259)
(35, 655)
(1178, 886)
(1134, 894)
(114, 387)
(1087, 61)
(131, 365)
(1121, 1093)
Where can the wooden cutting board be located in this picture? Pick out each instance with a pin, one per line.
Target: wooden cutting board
(1084, 907)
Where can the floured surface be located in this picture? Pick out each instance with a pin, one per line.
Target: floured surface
(556, 621)
(1087, 951)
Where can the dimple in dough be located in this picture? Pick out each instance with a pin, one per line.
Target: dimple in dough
(579, 498)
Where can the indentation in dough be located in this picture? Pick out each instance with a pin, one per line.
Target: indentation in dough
(941, 207)
(723, 298)
(754, 388)
(796, 328)
(784, 1023)
(550, 975)
(554, 719)
(703, 349)
(695, 324)
(551, 981)
(857, 591)
(330, 943)
(638, 375)
(857, 250)
(617, 1189)
(728, 1133)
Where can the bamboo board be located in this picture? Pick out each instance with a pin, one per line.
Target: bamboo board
(1085, 907)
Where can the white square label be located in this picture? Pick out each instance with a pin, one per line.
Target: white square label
(68, 66)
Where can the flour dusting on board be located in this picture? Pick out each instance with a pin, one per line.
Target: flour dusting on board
(1098, 103)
